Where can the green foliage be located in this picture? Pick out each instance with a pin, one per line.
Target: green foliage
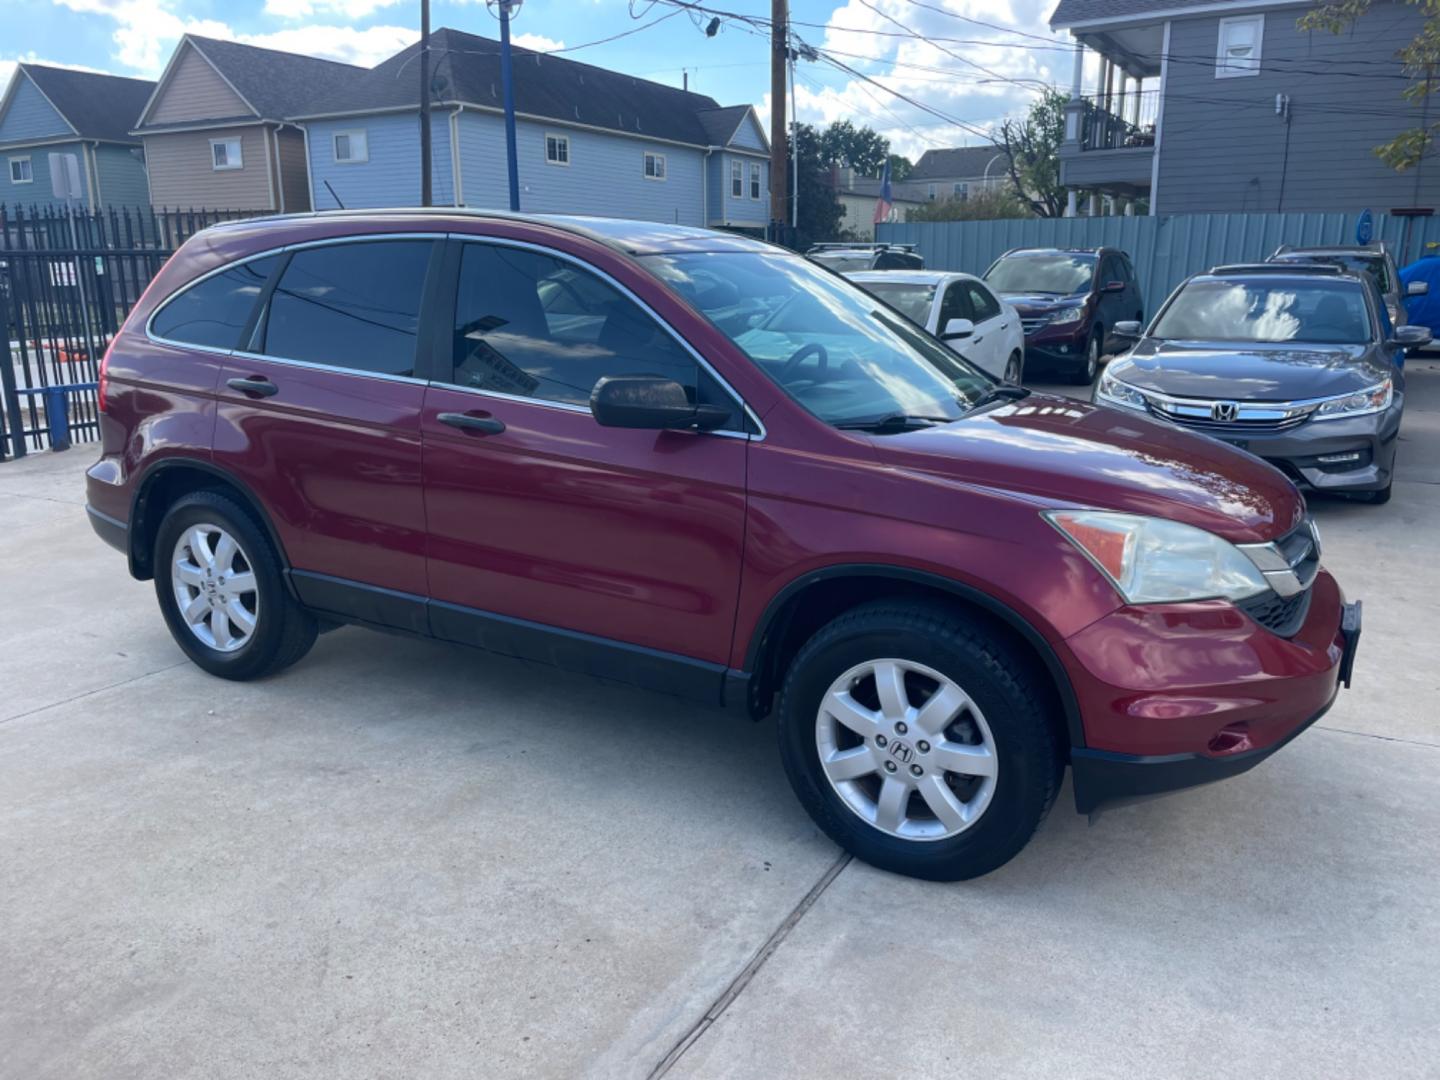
(1420, 59)
(992, 204)
(820, 210)
(1033, 146)
(860, 148)
(900, 167)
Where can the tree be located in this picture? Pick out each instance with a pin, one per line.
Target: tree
(860, 148)
(992, 204)
(900, 167)
(1033, 148)
(1420, 60)
(820, 210)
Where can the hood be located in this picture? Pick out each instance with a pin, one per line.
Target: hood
(1039, 302)
(1076, 454)
(1251, 372)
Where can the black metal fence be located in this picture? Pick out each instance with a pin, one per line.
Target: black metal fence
(68, 279)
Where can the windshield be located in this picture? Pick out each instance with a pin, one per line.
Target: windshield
(826, 343)
(910, 299)
(1331, 313)
(1052, 272)
(1374, 265)
(846, 263)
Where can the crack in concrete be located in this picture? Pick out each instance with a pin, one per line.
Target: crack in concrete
(89, 693)
(1372, 735)
(750, 970)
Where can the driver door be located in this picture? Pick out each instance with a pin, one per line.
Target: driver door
(611, 551)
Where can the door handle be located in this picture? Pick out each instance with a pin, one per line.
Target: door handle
(482, 425)
(257, 385)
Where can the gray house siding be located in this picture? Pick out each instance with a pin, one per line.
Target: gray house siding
(120, 171)
(742, 210)
(1223, 148)
(38, 191)
(30, 116)
(748, 136)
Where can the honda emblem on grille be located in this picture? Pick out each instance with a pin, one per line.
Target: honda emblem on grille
(1224, 411)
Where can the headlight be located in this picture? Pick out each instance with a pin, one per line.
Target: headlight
(1116, 392)
(1371, 400)
(1067, 315)
(1154, 561)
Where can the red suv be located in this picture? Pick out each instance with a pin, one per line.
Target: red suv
(691, 461)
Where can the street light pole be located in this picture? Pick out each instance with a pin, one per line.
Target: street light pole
(506, 77)
(779, 42)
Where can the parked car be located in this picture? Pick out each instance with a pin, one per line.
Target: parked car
(845, 258)
(691, 461)
(1069, 303)
(1372, 259)
(1290, 362)
(958, 309)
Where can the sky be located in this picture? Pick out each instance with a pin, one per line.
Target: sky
(965, 64)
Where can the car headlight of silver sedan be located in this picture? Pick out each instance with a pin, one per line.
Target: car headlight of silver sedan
(1114, 392)
(1155, 561)
(1372, 399)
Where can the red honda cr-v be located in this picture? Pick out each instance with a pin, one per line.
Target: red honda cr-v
(695, 462)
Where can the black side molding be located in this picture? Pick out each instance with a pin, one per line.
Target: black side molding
(112, 530)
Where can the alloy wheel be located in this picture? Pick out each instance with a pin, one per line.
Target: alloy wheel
(906, 749)
(1012, 371)
(1092, 359)
(215, 587)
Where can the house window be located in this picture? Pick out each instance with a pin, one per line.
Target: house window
(737, 180)
(557, 149)
(961, 191)
(1239, 49)
(20, 170)
(225, 154)
(654, 166)
(930, 192)
(351, 147)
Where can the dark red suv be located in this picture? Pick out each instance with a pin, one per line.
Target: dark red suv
(695, 462)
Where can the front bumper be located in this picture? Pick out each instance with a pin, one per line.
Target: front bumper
(1180, 695)
(1298, 453)
(1058, 345)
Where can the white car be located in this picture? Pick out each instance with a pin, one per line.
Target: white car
(960, 310)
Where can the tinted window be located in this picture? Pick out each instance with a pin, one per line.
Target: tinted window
(1047, 272)
(215, 311)
(533, 325)
(353, 306)
(956, 305)
(910, 299)
(1322, 312)
(985, 304)
(826, 343)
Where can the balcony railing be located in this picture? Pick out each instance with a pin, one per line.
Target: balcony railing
(1119, 121)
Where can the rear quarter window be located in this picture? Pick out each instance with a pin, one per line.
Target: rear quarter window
(214, 310)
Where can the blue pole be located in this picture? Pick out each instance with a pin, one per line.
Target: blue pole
(507, 79)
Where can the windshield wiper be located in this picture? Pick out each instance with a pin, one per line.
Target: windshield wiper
(1000, 392)
(894, 422)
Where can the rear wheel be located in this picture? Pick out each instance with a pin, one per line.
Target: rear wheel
(915, 739)
(218, 581)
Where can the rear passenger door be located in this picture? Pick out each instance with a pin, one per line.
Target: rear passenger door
(608, 550)
(991, 322)
(319, 415)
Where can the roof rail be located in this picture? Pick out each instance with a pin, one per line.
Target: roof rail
(1290, 268)
(859, 245)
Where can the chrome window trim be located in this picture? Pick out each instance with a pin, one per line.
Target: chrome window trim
(650, 312)
(310, 365)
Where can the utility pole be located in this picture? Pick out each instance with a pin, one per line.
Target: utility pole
(779, 49)
(506, 77)
(794, 123)
(425, 190)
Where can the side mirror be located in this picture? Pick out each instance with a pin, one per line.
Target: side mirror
(1411, 336)
(1417, 288)
(651, 403)
(956, 329)
(1114, 286)
(1127, 328)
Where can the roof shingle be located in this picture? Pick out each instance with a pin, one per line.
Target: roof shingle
(98, 106)
(959, 162)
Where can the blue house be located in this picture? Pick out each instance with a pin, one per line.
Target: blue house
(588, 141)
(49, 110)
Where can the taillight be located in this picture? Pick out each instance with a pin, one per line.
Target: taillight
(104, 380)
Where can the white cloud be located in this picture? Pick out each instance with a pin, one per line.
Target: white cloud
(366, 47)
(350, 9)
(538, 42)
(7, 67)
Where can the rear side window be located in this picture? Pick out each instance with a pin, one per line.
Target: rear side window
(213, 312)
(353, 306)
(984, 304)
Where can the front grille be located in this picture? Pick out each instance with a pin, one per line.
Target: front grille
(1031, 323)
(1234, 429)
(1280, 615)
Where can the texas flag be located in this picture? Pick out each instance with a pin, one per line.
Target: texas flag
(883, 205)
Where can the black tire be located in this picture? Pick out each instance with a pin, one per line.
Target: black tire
(996, 678)
(284, 631)
(1089, 366)
(1017, 363)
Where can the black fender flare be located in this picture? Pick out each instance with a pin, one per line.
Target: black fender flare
(960, 590)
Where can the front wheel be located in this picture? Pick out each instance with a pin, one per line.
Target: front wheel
(1014, 368)
(915, 739)
(219, 584)
(1089, 366)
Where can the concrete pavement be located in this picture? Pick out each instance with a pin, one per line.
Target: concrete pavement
(401, 859)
